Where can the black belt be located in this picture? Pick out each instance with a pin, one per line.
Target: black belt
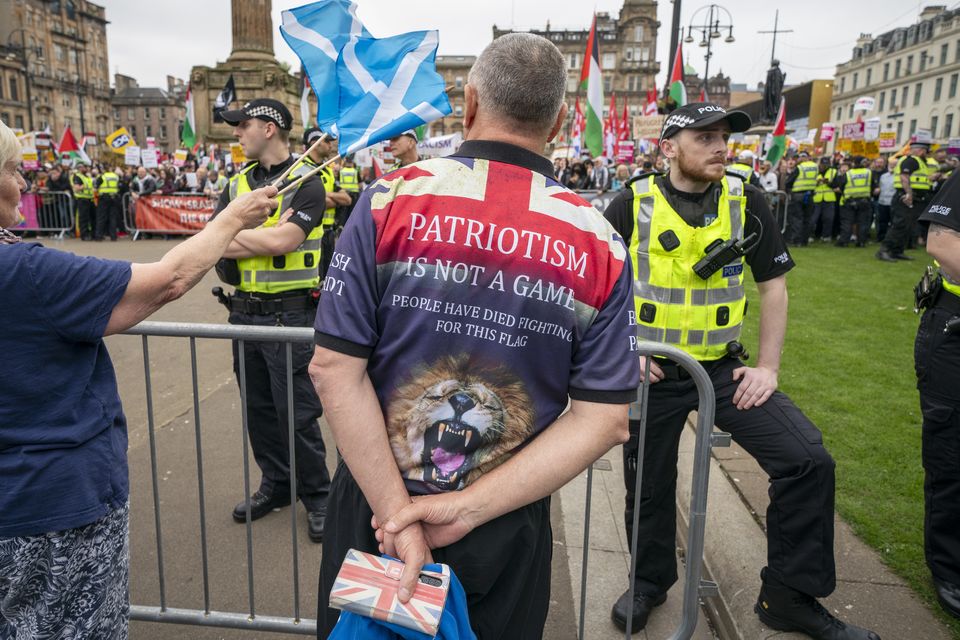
(268, 306)
(671, 370)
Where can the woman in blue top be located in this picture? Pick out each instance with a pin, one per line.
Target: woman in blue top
(63, 435)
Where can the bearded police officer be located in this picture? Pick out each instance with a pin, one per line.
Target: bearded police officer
(334, 196)
(938, 378)
(274, 268)
(669, 223)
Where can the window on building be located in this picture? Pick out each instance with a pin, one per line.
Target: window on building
(638, 33)
(952, 93)
(58, 52)
(573, 61)
(14, 90)
(886, 71)
(948, 125)
(856, 76)
(148, 130)
(869, 76)
(571, 85)
(944, 51)
(162, 113)
(458, 110)
(913, 127)
(839, 112)
(906, 91)
(18, 122)
(899, 131)
(458, 82)
(956, 54)
(131, 113)
(1, 98)
(883, 99)
(934, 121)
(850, 112)
(133, 131)
(609, 61)
(607, 84)
(937, 89)
(893, 99)
(146, 113)
(5, 116)
(72, 56)
(896, 69)
(923, 60)
(163, 132)
(909, 64)
(843, 84)
(916, 93)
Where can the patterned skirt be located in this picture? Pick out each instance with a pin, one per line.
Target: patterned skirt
(70, 585)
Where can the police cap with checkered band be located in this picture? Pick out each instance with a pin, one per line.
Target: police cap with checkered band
(263, 108)
(698, 115)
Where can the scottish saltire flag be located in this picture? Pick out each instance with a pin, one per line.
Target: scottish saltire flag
(317, 33)
(388, 85)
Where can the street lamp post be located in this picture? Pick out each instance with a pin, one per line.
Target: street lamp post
(709, 30)
(26, 69)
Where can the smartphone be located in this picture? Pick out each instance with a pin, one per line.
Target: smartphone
(368, 585)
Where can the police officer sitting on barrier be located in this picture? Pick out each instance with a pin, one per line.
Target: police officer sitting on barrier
(689, 233)
(334, 196)
(274, 268)
(938, 379)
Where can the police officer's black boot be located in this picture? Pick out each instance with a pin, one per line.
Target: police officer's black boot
(786, 609)
(642, 606)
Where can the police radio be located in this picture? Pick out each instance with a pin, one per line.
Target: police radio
(720, 253)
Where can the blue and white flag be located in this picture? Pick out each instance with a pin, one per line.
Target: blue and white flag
(317, 33)
(387, 86)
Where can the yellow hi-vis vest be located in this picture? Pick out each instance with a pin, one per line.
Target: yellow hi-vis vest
(298, 269)
(823, 192)
(807, 178)
(672, 303)
(109, 183)
(742, 170)
(919, 179)
(947, 285)
(349, 179)
(858, 184)
(326, 177)
(86, 191)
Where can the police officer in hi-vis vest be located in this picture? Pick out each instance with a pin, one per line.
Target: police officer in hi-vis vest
(275, 270)
(108, 207)
(334, 196)
(83, 192)
(912, 180)
(670, 224)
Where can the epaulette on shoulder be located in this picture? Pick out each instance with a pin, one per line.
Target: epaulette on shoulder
(645, 174)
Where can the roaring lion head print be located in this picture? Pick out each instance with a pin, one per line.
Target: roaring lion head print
(455, 419)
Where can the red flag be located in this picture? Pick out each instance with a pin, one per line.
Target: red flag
(578, 122)
(68, 145)
(625, 123)
(676, 89)
(703, 95)
(651, 108)
(611, 128)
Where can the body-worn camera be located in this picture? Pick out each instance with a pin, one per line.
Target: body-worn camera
(720, 253)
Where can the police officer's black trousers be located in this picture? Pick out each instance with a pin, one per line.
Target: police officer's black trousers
(799, 212)
(903, 219)
(937, 359)
(785, 443)
(108, 217)
(86, 217)
(266, 376)
(857, 212)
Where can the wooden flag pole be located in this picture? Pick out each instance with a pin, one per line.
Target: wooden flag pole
(293, 184)
(283, 176)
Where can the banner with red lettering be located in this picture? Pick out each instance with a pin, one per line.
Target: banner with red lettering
(173, 214)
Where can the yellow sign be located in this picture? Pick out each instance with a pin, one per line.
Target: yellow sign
(179, 157)
(236, 153)
(871, 149)
(844, 144)
(120, 140)
(856, 147)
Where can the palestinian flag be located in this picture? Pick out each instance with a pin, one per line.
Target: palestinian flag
(68, 147)
(779, 145)
(591, 83)
(189, 136)
(677, 89)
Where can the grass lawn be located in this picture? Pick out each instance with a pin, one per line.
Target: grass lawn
(848, 363)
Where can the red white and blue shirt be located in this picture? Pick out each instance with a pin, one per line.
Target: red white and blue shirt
(483, 294)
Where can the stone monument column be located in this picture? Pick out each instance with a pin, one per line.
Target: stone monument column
(252, 30)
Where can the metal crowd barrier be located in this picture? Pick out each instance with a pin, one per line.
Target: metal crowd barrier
(250, 620)
(694, 586)
(55, 213)
(778, 202)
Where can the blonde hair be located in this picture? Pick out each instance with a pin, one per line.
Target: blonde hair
(9, 145)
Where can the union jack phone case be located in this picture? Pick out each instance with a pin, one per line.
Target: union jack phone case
(368, 586)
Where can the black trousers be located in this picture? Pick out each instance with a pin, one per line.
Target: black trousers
(857, 212)
(86, 217)
(799, 212)
(108, 217)
(937, 360)
(503, 565)
(266, 373)
(902, 221)
(785, 443)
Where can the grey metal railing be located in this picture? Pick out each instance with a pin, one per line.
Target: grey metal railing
(694, 585)
(250, 620)
(53, 213)
(778, 202)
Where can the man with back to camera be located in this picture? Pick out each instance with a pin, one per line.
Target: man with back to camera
(274, 268)
(669, 223)
(453, 388)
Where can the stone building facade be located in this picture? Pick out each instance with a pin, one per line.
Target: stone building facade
(149, 111)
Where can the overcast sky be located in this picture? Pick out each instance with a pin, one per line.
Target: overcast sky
(172, 36)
